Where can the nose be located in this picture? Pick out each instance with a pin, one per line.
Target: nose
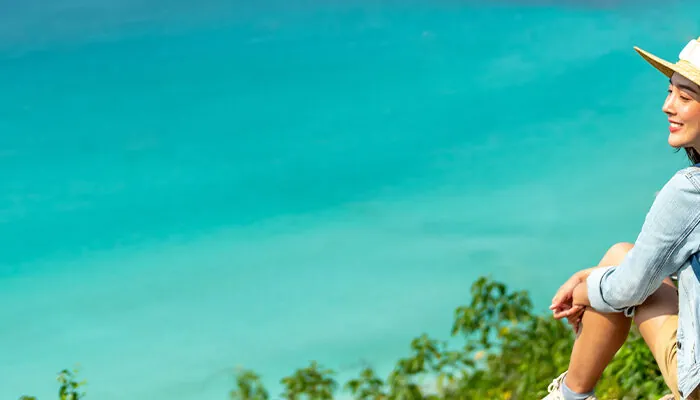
(669, 106)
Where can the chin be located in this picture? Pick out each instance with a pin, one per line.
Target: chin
(676, 141)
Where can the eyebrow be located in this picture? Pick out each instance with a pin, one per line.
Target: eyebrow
(684, 87)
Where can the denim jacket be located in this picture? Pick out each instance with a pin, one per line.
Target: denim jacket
(668, 244)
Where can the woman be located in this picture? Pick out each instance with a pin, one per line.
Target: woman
(632, 281)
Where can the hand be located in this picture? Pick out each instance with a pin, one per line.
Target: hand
(563, 301)
(575, 319)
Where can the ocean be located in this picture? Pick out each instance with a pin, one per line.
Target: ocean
(191, 187)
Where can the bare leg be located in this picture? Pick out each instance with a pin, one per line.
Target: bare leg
(655, 311)
(602, 335)
(600, 338)
(650, 318)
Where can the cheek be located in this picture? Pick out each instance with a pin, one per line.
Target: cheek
(692, 119)
(696, 128)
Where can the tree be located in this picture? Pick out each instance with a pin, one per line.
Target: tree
(509, 352)
(249, 387)
(367, 387)
(311, 383)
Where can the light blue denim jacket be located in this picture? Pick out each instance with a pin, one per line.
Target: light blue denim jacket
(669, 239)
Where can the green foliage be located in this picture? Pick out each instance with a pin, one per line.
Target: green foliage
(509, 353)
(68, 386)
(367, 387)
(310, 383)
(249, 387)
(634, 372)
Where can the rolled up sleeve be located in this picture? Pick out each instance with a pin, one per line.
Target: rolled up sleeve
(595, 294)
(661, 249)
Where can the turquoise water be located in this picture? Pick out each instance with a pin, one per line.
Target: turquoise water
(186, 189)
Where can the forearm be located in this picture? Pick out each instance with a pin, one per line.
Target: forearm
(667, 239)
(580, 292)
(585, 273)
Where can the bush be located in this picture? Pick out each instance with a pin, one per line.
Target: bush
(509, 353)
(68, 386)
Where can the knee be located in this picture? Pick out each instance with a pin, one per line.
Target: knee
(616, 253)
(666, 293)
(663, 302)
(621, 249)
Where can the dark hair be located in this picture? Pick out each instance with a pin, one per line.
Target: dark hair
(693, 155)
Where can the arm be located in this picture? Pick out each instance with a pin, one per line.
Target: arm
(581, 294)
(567, 301)
(660, 250)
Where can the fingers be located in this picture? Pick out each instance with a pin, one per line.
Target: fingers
(559, 299)
(567, 312)
(566, 291)
(577, 326)
(558, 309)
(575, 321)
(556, 299)
(562, 294)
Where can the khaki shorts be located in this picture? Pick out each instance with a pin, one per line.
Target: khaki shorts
(665, 351)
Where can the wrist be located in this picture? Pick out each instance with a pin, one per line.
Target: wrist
(583, 274)
(580, 294)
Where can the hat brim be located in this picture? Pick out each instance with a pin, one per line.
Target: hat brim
(659, 63)
(668, 68)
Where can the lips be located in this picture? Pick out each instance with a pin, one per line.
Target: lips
(674, 126)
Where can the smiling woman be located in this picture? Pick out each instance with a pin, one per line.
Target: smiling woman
(633, 280)
(682, 104)
(320, 180)
(683, 109)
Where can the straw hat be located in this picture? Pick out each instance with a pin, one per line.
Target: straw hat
(688, 63)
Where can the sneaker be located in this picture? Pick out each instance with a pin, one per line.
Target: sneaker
(554, 389)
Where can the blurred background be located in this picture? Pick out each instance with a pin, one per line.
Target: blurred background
(190, 186)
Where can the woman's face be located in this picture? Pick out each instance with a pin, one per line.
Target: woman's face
(682, 106)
